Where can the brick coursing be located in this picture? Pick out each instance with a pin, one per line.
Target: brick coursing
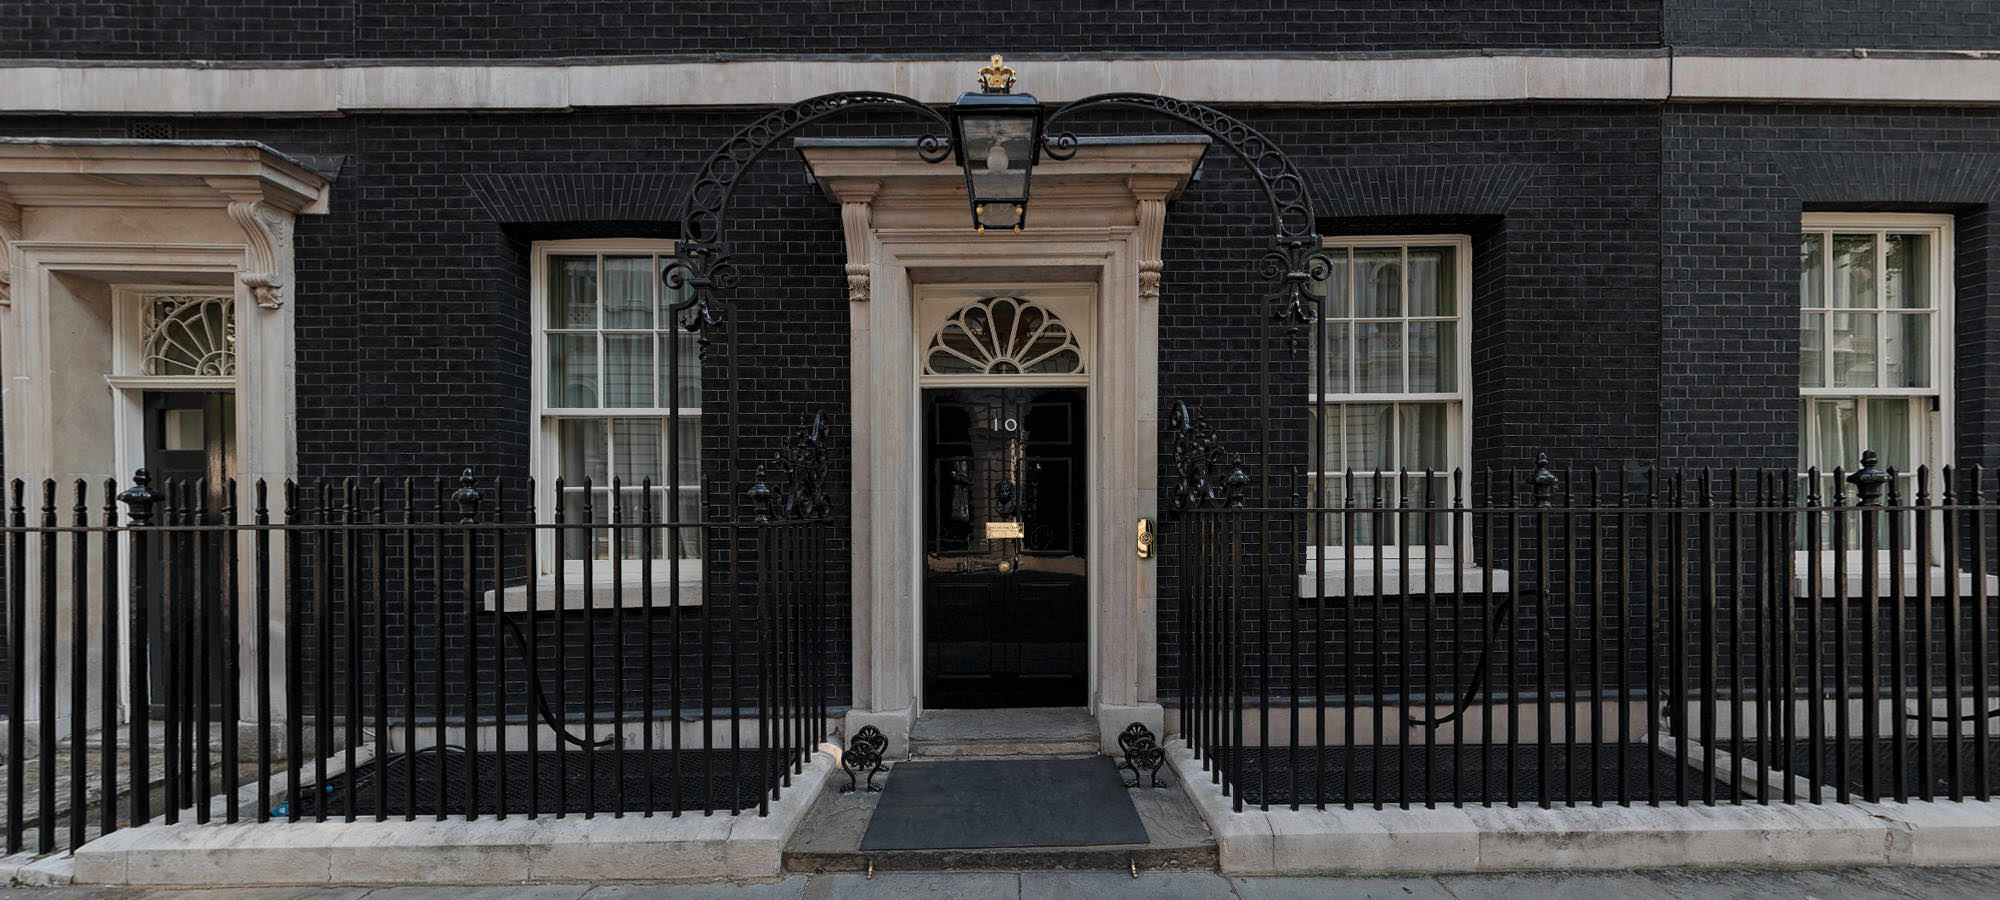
(238, 30)
(1828, 24)
(1634, 278)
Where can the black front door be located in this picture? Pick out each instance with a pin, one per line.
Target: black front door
(191, 440)
(1005, 593)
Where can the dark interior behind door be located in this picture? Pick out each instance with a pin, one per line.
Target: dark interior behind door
(190, 436)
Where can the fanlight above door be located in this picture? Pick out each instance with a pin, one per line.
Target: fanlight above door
(1003, 336)
(189, 335)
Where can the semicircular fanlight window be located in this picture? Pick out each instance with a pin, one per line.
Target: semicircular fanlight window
(1004, 336)
(190, 335)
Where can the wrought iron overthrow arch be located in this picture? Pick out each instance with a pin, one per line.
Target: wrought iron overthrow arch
(703, 265)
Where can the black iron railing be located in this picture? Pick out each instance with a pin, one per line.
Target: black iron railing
(1543, 637)
(376, 649)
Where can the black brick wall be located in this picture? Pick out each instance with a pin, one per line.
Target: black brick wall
(460, 29)
(1811, 24)
(1634, 270)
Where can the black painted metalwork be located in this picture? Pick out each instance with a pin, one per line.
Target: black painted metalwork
(864, 755)
(1675, 604)
(1142, 752)
(1207, 473)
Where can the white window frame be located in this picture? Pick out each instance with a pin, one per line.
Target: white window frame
(1442, 558)
(545, 461)
(1934, 432)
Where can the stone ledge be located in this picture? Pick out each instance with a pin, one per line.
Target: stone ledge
(1499, 839)
(691, 847)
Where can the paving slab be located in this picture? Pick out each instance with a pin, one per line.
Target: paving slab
(1749, 885)
(916, 886)
(489, 892)
(1940, 884)
(1151, 885)
(785, 889)
(1555, 886)
(1312, 888)
(282, 893)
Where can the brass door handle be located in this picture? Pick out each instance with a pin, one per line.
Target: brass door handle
(1146, 538)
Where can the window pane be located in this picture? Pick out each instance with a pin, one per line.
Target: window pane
(1329, 437)
(688, 363)
(1433, 281)
(1836, 431)
(1812, 350)
(638, 445)
(1906, 284)
(572, 291)
(1378, 357)
(628, 370)
(1364, 497)
(1854, 349)
(1336, 357)
(573, 371)
(1370, 436)
(578, 507)
(1433, 356)
(581, 443)
(1854, 271)
(1334, 288)
(1426, 435)
(1378, 282)
(1907, 350)
(690, 450)
(1812, 271)
(628, 292)
(1889, 432)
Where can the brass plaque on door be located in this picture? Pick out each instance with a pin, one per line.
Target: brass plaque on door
(1004, 531)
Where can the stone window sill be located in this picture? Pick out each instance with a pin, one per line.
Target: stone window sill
(601, 592)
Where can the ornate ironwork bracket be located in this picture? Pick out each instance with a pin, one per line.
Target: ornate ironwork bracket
(1209, 475)
(801, 467)
(1142, 752)
(1297, 257)
(864, 754)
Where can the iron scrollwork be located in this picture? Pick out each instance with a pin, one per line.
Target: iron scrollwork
(702, 264)
(1296, 259)
(801, 466)
(1142, 752)
(1209, 474)
(864, 754)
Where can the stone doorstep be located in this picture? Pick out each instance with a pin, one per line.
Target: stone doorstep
(515, 850)
(1497, 839)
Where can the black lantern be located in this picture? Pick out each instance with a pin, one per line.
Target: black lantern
(996, 136)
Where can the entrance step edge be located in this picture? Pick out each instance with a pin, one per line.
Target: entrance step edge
(973, 747)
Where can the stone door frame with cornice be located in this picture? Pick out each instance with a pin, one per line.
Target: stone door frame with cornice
(88, 228)
(1096, 223)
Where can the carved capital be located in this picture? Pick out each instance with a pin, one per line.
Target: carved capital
(268, 231)
(854, 216)
(1152, 230)
(1149, 279)
(857, 282)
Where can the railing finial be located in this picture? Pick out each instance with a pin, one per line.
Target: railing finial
(140, 498)
(761, 495)
(467, 497)
(1868, 480)
(1543, 481)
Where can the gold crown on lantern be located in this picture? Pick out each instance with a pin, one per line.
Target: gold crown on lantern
(996, 78)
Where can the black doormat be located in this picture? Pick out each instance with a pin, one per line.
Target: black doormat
(981, 803)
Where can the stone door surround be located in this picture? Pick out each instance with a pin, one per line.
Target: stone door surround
(1096, 223)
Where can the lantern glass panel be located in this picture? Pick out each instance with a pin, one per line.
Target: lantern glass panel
(998, 151)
